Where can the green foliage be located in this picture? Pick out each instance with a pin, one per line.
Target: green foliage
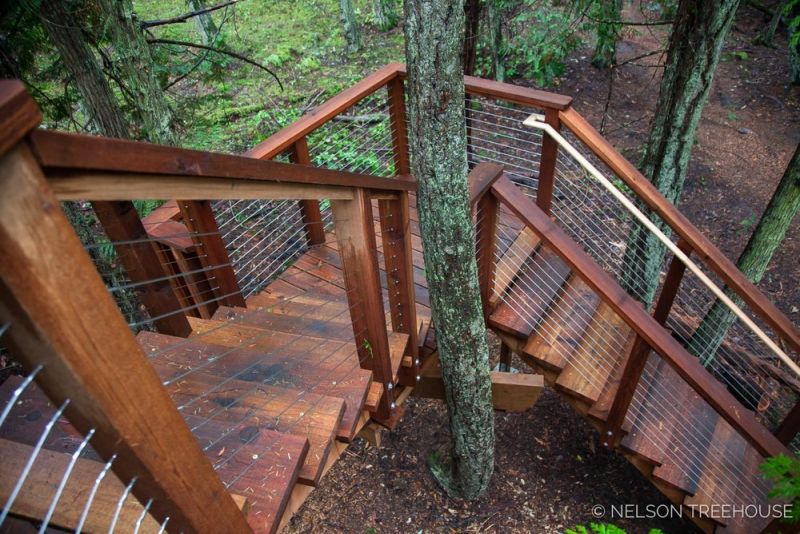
(784, 473)
(603, 528)
(792, 14)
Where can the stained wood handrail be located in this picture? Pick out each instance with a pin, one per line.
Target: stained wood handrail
(686, 365)
(701, 246)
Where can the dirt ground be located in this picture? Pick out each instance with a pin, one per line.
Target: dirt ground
(549, 470)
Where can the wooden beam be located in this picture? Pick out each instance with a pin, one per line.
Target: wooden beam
(397, 115)
(58, 151)
(309, 209)
(481, 179)
(702, 247)
(686, 365)
(547, 163)
(19, 114)
(63, 318)
(83, 185)
(487, 213)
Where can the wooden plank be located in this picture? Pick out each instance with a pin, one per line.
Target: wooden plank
(790, 425)
(63, 318)
(509, 265)
(198, 216)
(19, 114)
(703, 248)
(302, 326)
(138, 256)
(397, 115)
(75, 152)
(687, 366)
(480, 180)
(486, 246)
(171, 233)
(398, 344)
(547, 163)
(309, 209)
(319, 115)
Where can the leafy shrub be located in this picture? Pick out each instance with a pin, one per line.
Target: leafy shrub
(784, 473)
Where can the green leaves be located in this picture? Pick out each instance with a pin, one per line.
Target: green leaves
(784, 473)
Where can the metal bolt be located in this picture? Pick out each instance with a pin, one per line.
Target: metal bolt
(394, 406)
(419, 378)
(605, 444)
(389, 387)
(416, 362)
(610, 433)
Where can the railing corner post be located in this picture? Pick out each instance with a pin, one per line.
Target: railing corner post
(309, 209)
(547, 163)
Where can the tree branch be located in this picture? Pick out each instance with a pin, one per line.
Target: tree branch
(185, 17)
(219, 51)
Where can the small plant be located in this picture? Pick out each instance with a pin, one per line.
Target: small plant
(703, 181)
(784, 473)
(603, 528)
(732, 116)
(748, 222)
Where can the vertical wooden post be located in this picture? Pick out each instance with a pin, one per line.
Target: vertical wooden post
(790, 425)
(547, 163)
(486, 245)
(355, 234)
(637, 358)
(140, 259)
(199, 219)
(397, 115)
(63, 318)
(309, 209)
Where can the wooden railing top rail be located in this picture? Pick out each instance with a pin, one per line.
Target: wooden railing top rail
(19, 114)
(120, 167)
(701, 246)
(686, 365)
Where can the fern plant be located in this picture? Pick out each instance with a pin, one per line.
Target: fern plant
(784, 473)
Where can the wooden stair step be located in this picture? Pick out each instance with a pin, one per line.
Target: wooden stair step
(564, 326)
(327, 367)
(753, 488)
(301, 306)
(228, 399)
(511, 261)
(398, 348)
(537, 285)
(268, 320)
(603, 346)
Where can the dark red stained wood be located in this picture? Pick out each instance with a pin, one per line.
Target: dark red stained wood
(199, 218)
(485, 247)
(481, 178)
(268, 320)
(123, 228)
(309, 209)
(547, 163)
(703, 248)
(65, 151)
(790, 425)
(687, 366)
(19, 114)
(397, 114)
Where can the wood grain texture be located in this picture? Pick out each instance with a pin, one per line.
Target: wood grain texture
(309, 209)
(19, 114)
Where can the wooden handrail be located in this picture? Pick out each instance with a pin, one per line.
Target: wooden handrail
(686, 365)
(65, 154)
(702, 247)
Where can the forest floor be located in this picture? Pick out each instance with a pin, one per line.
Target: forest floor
(549, 469)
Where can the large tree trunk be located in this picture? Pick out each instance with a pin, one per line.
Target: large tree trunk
(753, 262)
(205, 24)
(434, 40)
(352, 34)
(137, 69)
(694, 50)
(100, 104)
(607, 12)
(385, 14)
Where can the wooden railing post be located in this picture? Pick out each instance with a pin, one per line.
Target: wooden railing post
(487, 210)
(62, 317)
(309, 209)
(637, 357)
(397, 116)
(547, 163)
(141, 261)
(355, 234)
(790, 426)
(199, 219)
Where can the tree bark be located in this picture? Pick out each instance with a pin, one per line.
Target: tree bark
(205, 23)
(494, 20)
(100, 104)
(694, 49)
(133, 60)
(753, 262)
(352, 34)
(605, 51)
(472, 14)
(434, 41)
(385, 14)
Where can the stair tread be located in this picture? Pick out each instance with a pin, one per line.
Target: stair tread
(398, 345)
(266, 319)
(183, 367)
(564, 326)
(305, 306)
(606, 338)
(329, 366)
(528, 300)
(512, 260)
(755, 489)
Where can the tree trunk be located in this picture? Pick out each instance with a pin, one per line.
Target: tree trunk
(753, 262)
(385, 14)
(352, 34)
(135, 64)
(205, 24)
(472, 14)
(434, 41)
(494, 20)
(607, 12)
(694, 50)
(100, 104)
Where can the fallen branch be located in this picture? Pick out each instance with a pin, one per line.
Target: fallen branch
(219, 51)
(373, 117)
(185, 17)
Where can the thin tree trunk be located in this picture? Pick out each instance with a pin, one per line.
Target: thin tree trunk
(100, 104)
(137, 69)
(694, 49)
(352, 34)
(494, 21)
(767, 35)
(205, 24)
(605, 52)
(434, 41)
(385, 14)
(472, 13)
(753, 262)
